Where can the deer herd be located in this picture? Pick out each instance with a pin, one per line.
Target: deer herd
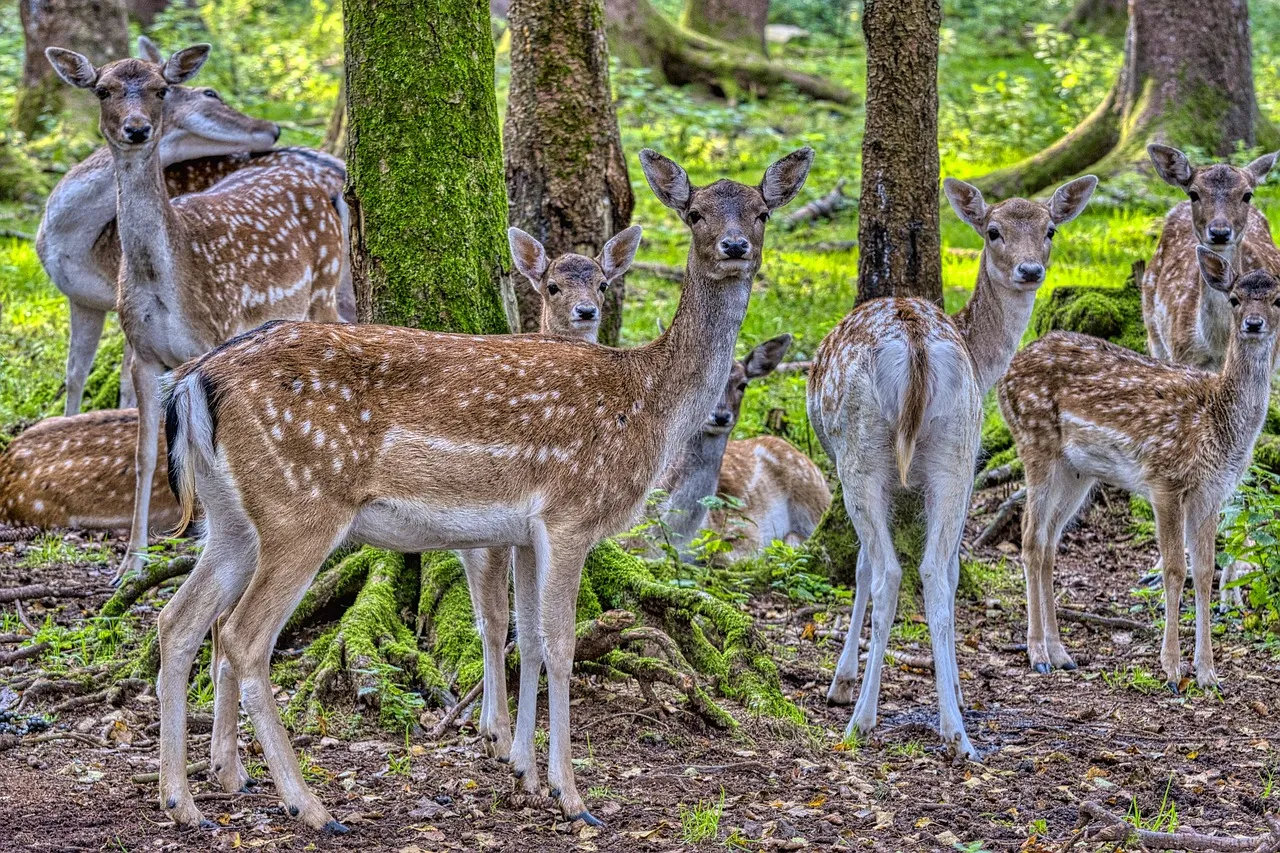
(292, 430)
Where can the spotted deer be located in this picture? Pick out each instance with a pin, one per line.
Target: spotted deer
(296, 437)
(895, 397)
(573, 288)
(78, 472)
(1084, 411)
(265, 243)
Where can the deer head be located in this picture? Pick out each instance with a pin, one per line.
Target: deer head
(761, 361)
(1017, 234)
(1219, 194)
(1254, 297)
(573, 286)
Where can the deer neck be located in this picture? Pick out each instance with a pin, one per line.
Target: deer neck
(992, 324)
(1243, 390)
(147, 224)
(693, 475)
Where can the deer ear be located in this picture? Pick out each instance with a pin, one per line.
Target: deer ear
(784, 179)
(616, 256)
(72, 67)
(967, 201)
(529, 256)
(1069, 199)
(184, 64)
(1214, 269)
(669, 182)
(1171, 165)
(1258, 168)
(147, 50)
(766, 357)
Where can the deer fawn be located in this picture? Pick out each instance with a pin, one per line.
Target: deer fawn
(264, 243)
(416, 441)
(895, 397)
(782, 491)
(79, 472)
(1084, 411)
(573, 289)
(81, 253)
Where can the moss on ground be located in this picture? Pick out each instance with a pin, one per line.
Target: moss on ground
(1112, 313)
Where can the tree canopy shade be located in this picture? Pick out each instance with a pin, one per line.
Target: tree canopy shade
(1187, 81)
(566, 173)
(427, 197)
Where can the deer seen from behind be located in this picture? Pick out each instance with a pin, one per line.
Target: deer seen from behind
(264, 243)
(1085, 411)
(895, 397)
(416, 441)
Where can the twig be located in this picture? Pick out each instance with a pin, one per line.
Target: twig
(80, 736)
(21, 593)
(666, 271)
(22, 617)
(23, 653)
(1004, 517)
(17, 235)
(442, 727)
(635, 714)
(703, 769)
(146, 778)
(1115, 829)
(794, 367)
(822, 208)
(1084, 618)
(14, 638)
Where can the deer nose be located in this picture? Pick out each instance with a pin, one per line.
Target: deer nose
(720, 419)
(137, 132)
(275, 132)
(737, 248)
(1253, 324)
(584, 312)
(1030, 273)
(1219, 235)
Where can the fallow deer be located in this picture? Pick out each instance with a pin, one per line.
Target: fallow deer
(416, 441)
(573, 288)
(1084, 411)
(265, 243)
(78, 472)
(895, 397)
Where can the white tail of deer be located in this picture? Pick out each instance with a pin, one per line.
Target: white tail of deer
(895, 397)
(1084, 411)
(264, 243)
(322, 436)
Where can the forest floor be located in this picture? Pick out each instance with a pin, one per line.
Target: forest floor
(1107, 733)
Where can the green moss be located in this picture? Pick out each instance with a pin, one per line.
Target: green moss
(102, 387)
(996, 437)
(1008, 456)
(1112, 313)
(1266, 453)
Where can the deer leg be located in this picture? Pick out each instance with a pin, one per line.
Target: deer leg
(224, 750)
(146, 380)
(1034, 545)
(86, 331)
(220, 575)
(1203, 528)
(560, 573)
(285, 569)
(841, 690)
(1071, 493)
(1169, 534)
(488, 570)
(871, 521)
(528, 606)
(128, 397)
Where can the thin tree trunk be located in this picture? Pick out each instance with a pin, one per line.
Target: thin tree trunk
(428, 204)
(335, 135)
(566, 174)
(96, 28)
(899, 249)
(1187, 80)
(736, 22)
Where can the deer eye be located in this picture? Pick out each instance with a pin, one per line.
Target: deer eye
(161, 93)
(1235, 303)
(553, 288)
(604, 285)
(1194, 196)
(212, 93)
(694, 217)
(1246, 197)
(742, 387)
(764, 217)
(1276, 303)
(102, 93)
(1049, 235)
(993, 234)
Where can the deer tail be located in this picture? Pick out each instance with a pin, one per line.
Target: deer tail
(189, 423)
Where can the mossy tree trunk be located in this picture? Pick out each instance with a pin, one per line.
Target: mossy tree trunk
(567, 181)
(736, 22)
(96, 28)
(1187, 80)
(424, 155)
(900, 252)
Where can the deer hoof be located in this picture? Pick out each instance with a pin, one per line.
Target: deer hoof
(1042, 668)
(588, 818)
(1173, 687)
(334, 828)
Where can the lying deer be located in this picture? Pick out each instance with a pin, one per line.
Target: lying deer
(264, 243)
(1084, 411)
(573, 289)
(78, 472)
(324, 435)
(895, 397)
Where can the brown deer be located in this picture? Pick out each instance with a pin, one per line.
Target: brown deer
(78, 472)
(573, 288)
(895, 397)
(264, 243)
(296, 437)
(1084, 411)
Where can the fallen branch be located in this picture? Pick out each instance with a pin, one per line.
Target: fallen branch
(1085, 618)
(148, 778)
(666, 271)
(18, 534)
(115, 695)
(22, 617)
(23, 653)
(822, 208)
(794, 367)
(828, 246)
(1008, 511)
(14, 638)
(17, 235)
(156, 574)
(461, 705)
(997, 476)
(1116, 830)
(26, 593)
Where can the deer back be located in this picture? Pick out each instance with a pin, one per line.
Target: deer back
(783, 492)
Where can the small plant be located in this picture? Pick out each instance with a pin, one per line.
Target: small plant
(1038, 827)
(1133, 677)
(311, 770)
(52, 550)
(852, 743)
(1165, 818)
(1251, 532)
(910, 749)
(791, 573)
(1268, 776)
(701, 822)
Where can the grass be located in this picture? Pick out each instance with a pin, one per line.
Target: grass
(1134, 677)
(912, 749)
(1165, 818)
(701, 822)
(52, 550)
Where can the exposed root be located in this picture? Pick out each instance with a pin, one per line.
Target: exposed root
(38, 590)
(24, 653)
(1115, 830)
(115, 695)
(336, 586)
(1009, 511)
(1114, 622)
(154, 575)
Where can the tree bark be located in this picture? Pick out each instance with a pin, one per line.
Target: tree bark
(567, 182)
(736, 22)
(96, 28)
(428, 205)
(1187, 80)
(900, 252)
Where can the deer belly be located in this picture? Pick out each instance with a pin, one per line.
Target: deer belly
(1102, 452)
(410, 526)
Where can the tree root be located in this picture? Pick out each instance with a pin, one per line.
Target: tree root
(26, 593)
(336, 586)
(23, 653)
(154, 576)
(1009, 510)
(1081, 617)
(1115, 830)
(115, 695)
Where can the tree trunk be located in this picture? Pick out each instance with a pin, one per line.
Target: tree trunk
(1187, 80)
(1098, 16)
(567, 180)
(639, 36)
(335, 134)
(736, 22)
(900, 253)
(428, 205)
(96, 28)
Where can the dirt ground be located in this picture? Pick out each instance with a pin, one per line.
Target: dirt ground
(1049, 744)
